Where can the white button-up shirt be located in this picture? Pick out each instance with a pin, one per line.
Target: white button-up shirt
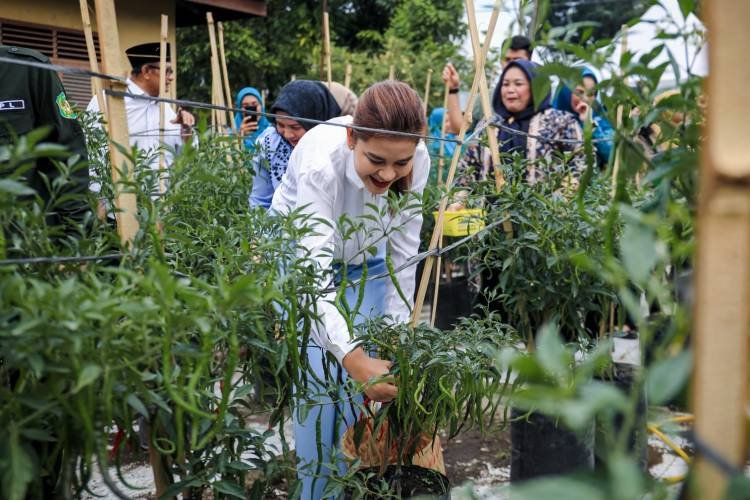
(321, 182)
(143, 127)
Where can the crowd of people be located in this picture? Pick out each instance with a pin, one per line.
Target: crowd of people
(327, 172)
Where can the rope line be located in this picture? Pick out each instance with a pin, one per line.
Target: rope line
(437, 251)
(203, 105)
(61, 69)
(495, 122)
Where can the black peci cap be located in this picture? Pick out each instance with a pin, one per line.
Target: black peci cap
(145, 53)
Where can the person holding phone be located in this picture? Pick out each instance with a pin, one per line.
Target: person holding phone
(249, 124)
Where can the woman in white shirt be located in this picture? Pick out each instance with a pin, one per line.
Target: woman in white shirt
(335, 172)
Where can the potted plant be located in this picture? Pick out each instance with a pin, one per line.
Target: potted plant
(530, 280)
(447, 380)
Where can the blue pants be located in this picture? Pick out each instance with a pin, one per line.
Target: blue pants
(318, 426)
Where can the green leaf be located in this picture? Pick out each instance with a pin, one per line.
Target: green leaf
(686, 7)
(551, 352)
(557, 488)
(87, 376)
(626, 480)
(639, 251)
(540, 87)
(229, 488)
(666, 377)
(17, 468)
(137, 404)
(14, 187)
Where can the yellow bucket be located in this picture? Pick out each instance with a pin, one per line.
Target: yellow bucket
(462, 222)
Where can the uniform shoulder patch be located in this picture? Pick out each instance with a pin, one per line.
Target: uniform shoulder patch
(66, 110)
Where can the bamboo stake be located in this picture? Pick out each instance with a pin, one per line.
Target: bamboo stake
(443, 131)
(327, 47)
(88, 33)
(215, 71)
(225, 74)
(122, 170)
(441, 150)
(294, 77)
(427, 91)
(162, 94)
(348, 75)
(722, 292)
(392, 72)
(173, 59)
(438, 231)
(616, 163)
(487, 110)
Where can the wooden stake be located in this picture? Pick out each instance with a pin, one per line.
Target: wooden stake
(173, 59)
(485, 96)
(348, 75)
(327, 47)
(427, 90)
(294, 77)
(122, 169)
(88, 33)
(616, 163)
(438, 231)
(721, 347)
(443, 133)
(392, 72)
(225, 74)
(216, 72)
(162, 94)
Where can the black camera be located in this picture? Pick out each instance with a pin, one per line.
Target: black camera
(253, 109)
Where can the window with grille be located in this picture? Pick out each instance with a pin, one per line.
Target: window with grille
(63, 46)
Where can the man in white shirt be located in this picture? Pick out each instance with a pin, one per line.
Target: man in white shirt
(143, 114)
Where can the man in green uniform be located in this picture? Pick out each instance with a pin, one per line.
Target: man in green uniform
(31, 98)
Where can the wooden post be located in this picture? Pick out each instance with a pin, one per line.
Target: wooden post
(438, 231)
(327, 47)
(485, 96)
(722, 292)
(293, 78)
(392, 72)
(441, 149)
(427, 90)
(162, 94)
(88, 33)
(216, 72)
(225, 75)
(173, 58)
(122, 169)
(348, 75)
(616, 163)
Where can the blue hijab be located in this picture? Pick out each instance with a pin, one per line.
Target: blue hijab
(510, 142)
(262, 121)
(436, 129)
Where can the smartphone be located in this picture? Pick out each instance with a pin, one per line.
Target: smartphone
(254, 109)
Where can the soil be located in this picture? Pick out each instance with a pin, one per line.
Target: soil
(483, 460)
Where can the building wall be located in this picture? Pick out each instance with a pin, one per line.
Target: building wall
(138, 21)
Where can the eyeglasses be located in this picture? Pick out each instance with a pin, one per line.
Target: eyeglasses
(168, 71)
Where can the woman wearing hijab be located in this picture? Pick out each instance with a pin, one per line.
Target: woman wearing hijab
(533, 130)
(528, 131)
(578, 102)
(249, 125)
(297, 99)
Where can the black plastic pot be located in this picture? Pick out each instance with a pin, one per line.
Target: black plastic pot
(455, 301)
(623, 376)
(414, 481)
(541, 446)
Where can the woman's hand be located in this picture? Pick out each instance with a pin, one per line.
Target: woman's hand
(248, 126)
(363, 369)
(450, 76)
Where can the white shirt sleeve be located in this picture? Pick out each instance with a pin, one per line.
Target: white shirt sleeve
(403, 242)
(316, 194)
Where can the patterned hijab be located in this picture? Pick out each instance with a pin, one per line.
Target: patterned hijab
(303, 99)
